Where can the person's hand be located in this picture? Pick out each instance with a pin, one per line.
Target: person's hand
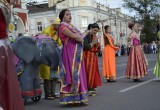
(79, 38)
(140, 27)
(95, 40)
(102, 23)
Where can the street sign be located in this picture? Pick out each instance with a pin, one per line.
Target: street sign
(11, 27)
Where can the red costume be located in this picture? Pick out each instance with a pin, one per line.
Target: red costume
(2, 25)
(10, 95)
(91, 63)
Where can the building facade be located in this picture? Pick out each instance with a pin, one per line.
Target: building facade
(83, 12)
(19, 19)
(40, 16)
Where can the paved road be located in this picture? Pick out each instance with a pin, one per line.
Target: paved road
(121, 95)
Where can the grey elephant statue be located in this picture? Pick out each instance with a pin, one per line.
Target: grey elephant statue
(33, 52)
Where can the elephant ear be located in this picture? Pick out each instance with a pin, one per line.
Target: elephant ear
(25, 48)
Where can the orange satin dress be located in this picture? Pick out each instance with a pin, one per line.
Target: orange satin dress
(109, 64)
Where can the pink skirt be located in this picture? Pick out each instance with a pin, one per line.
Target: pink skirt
(137, 63)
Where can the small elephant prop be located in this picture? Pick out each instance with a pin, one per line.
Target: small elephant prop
(33, 52)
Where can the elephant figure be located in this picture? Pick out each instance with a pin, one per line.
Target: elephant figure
(33, 52)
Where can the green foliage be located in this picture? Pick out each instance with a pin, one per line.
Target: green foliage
(146, 15)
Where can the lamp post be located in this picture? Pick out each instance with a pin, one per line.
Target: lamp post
(115, 24)
(126, 24)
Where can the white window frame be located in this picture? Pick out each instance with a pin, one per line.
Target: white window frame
(39, 26)
(84, 21)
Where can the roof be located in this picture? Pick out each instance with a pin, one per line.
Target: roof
(39, 8)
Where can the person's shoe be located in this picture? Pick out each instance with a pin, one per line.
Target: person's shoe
(90, 93)
(137, 80)
(56, 96)
(109, 80)
(49, 97)
(84, 103)
(113, 80)
(93, 94)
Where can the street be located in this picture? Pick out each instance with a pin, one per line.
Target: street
(124, 94)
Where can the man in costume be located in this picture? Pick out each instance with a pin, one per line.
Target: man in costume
(50, 84)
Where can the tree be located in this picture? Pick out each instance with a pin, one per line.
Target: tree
(146, 15)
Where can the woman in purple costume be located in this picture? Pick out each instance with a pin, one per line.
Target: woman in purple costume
(137, 63)
(73, 83)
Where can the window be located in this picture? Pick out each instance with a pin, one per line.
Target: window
(39, 26)
(84, 21)
(51, 21)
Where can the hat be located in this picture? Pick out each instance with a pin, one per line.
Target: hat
(56, 21)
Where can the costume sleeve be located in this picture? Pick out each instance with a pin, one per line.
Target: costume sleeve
(62, 27)
(111, 43)
(86, 43)
(60, 33)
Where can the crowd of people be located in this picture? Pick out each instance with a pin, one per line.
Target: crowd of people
(148, 48)
(78, 67)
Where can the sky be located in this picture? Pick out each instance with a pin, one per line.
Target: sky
(111, 3)
(116, 4)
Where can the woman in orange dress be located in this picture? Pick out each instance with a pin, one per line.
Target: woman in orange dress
(109, 67)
